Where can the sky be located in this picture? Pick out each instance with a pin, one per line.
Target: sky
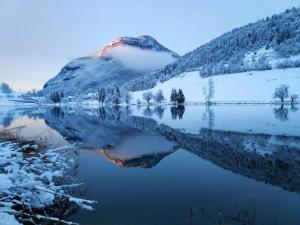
(38, 37)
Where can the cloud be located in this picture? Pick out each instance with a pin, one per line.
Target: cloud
(140, 59)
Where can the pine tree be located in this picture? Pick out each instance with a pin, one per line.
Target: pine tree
(173, 96)
(116, 96)
(128, 98)
(180, 97)
(101, 95)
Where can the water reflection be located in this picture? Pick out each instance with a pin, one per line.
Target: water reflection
(148, 112)
(159, 111)
(281, 113)
(209, 117)
(188, 155)
(177, 111)
(263, 157)
(57, 112)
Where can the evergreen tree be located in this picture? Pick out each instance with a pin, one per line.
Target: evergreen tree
(180, 97)
(173, 97)
(55, 97)
(101, 95)
(116, 96)
(128, 97)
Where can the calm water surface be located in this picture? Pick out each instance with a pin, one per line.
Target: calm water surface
(180, 165)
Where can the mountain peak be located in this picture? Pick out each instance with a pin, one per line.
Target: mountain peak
(145, 42)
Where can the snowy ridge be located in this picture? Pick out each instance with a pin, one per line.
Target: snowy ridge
(142, 42)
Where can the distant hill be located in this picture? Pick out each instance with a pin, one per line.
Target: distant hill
(269, 43)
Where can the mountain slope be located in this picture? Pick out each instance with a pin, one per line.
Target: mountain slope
(246, 87)
(119, 62)
(277, 39)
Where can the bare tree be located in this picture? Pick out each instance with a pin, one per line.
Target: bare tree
(148, 96)
(211, 89)
(128, 98)
(159, 96)
(282, 92)
(294, 97)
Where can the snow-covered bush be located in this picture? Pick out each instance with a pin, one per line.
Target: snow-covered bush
(285, 64)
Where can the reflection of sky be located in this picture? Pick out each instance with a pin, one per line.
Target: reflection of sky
(165, 193)
(39, 37)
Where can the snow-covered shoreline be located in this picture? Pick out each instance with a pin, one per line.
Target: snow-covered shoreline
(32, 179)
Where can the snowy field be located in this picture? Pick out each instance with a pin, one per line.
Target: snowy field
(247, 87)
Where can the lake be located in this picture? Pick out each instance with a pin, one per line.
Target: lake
(223, 164)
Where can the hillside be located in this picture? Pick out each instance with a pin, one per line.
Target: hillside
(269, 43)
(250, 87)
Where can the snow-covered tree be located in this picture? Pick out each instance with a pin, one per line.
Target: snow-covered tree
(173, 96)
(147, 96)
(282, 92)
(263, 64)
(159, 96)
(4, 88)
(116, 96)
(55, 97)
(211, 89)
(180, 97)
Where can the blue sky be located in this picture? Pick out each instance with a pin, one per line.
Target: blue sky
(37, 37)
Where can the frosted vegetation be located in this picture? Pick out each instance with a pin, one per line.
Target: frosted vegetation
(34, 179)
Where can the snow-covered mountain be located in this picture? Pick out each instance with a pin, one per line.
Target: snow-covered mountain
(141, 64)
(121, 61)
(270, 43)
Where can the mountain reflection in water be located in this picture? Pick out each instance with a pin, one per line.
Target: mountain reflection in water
(189, 151)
